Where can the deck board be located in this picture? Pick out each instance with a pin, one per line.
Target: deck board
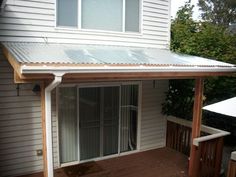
(163, 162)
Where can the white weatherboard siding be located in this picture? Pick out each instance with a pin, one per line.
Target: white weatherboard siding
(20, 125)
(34, 21)
(153, 123)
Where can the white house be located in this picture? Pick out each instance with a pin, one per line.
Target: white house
(85, 79)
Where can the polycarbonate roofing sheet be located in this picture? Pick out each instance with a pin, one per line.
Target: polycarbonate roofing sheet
(44, 53)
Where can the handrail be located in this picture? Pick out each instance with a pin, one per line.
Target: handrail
(214, 132)
(233, 155)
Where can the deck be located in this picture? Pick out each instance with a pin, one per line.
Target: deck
(163, 162)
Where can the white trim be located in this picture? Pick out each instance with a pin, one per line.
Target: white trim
(100, 158)
(109, 156)
(233, 156)
(79, 14)
(78, 123)
(141, 17)
(95, 31)
(57, 124)
(69, 164)
(97, 84)
(123, 15)
(139, 121)
(221, 133)
(169, 26)
(55, 13)
(119, 137)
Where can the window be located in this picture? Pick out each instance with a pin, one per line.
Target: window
(109, 15)
(67, 13)
(97, 121)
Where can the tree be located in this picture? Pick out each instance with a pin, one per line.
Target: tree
(221, 12)
(201, 39)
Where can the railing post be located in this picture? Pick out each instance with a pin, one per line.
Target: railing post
(218, 160)
(232, 166)
(196, 127)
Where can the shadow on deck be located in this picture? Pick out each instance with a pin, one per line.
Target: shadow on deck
(163, 162)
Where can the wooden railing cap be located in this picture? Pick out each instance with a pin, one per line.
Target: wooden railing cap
(233, 156)
(214, 132)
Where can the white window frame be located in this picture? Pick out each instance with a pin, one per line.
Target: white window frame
(110, 84)
(79, 26)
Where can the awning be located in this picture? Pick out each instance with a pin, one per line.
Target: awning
(226, 107)
(70, 59)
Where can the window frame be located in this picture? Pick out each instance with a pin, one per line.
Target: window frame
(102, 84)
(79, 23)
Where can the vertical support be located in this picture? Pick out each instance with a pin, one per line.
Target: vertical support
(44, 128)
(219, 153)
(231, 169)
(47, 124)
(196, 127)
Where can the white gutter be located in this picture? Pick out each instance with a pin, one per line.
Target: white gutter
(48, 121)
(25, 69)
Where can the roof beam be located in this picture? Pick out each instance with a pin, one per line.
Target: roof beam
(141, 75)
(16, 65)
(70, 77)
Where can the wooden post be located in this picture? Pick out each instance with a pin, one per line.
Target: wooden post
(44, 129)
(232, 169)
(218, 159)
(196, 127)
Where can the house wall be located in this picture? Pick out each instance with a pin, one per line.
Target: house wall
(34, 21)
(20, 125)
(153, 123)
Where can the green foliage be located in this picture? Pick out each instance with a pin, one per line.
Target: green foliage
(200, 39)
(179, 100)
(220, 12)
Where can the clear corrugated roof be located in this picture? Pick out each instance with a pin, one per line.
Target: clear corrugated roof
(44, 53)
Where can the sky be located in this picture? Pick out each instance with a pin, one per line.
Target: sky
(176, 4)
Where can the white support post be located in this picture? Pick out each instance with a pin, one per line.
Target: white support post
(48, 121)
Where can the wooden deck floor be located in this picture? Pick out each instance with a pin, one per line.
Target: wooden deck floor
(162, 162)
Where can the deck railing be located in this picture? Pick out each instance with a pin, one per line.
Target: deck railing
(209, 145)
(232, 165)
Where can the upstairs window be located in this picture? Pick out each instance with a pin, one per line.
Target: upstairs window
(67, 13)
(108, 15)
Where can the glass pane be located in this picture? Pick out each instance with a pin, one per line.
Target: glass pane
(102, 14)
(132, 15)
(67, 124)
(110, 119)
(89, 116)
(67, 13)
(129, 117)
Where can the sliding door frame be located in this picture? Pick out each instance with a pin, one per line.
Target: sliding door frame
(105, 84)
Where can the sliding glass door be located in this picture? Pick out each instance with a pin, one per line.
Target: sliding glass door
(129, 118)
(97, 121)
(67, 115)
